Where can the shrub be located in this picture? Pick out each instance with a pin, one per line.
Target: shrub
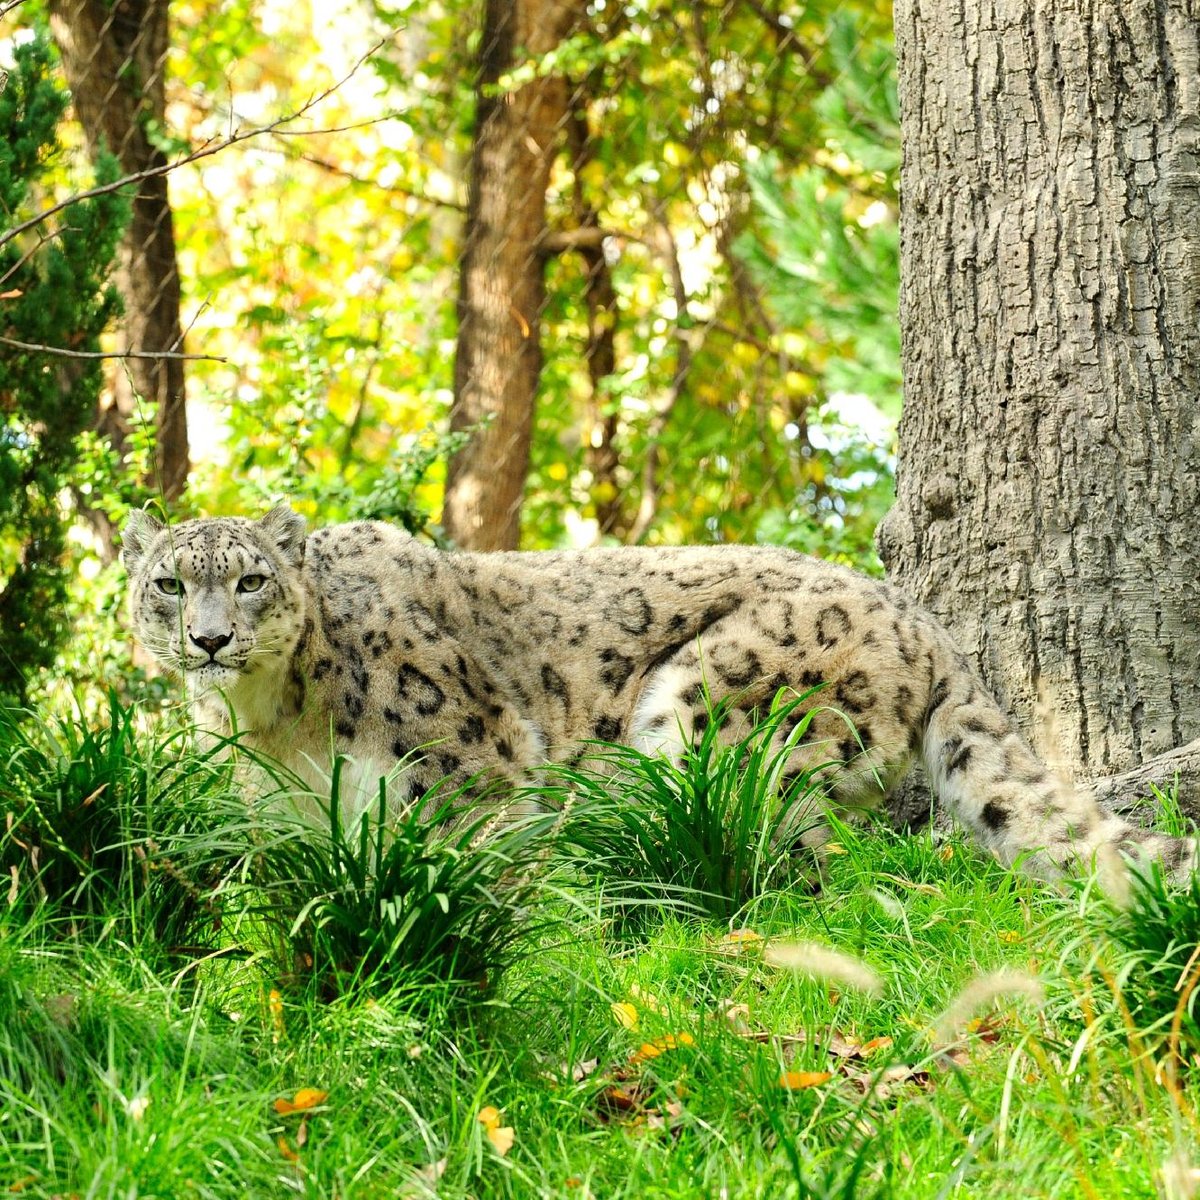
(101, 828)
(434, 894)
(708, 833)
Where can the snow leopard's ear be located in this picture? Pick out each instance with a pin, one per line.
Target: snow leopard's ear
(286, 531)
(141, 528)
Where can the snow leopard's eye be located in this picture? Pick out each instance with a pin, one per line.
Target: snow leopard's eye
(251, 583)
(169, 586)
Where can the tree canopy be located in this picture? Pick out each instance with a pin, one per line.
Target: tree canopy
(719, 349)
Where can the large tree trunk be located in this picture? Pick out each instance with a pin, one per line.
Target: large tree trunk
(501, 289)
(1048, 494)
(114, 53)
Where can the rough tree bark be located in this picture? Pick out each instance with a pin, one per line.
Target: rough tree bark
(1049, 481)
(114, 55)
(501, 287)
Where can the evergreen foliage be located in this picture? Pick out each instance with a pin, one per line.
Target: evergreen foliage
(54, 293)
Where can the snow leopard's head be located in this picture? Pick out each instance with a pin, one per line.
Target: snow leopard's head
(216, 600)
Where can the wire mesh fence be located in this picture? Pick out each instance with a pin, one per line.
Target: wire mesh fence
(639, 257)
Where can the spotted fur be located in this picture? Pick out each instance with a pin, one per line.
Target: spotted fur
(363, 641)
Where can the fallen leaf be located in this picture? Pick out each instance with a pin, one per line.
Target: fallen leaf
(670, 1041)
(737, 938)
(876, 1043)
(11, 294)
(987, 1028)
(738, 1016)
(884, 1084)
(302, 1132)
(625, 1014)
(304, 1099)
(431, 1172)
(502, 1138)
(1008, 937)
(287, 1151)
(580, 1071)
(619, 1099)
(488, 1116)
(946, 853)
(795, 1081)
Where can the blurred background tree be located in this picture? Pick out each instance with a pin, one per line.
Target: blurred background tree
(715, 265)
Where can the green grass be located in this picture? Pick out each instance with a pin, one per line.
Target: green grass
(627, 1059)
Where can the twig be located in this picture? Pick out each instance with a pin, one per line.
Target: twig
(582, 237)
(341, 172)
(62, 352)
(206, 150)
(45, 237)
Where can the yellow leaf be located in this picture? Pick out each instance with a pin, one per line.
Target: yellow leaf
(653, 1049)
(874, 1044)
(489, 1117)
(795, 1081)
(305, 1099)
(287, 1151)
(834, 848)
(502, 1138)
(625, 1014)
(1008, 936)
(741, 936)
(275, 1007)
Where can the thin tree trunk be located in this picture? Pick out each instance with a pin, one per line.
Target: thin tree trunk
(501, 288)
(600, 353)
(114, 55)
(1049, 481)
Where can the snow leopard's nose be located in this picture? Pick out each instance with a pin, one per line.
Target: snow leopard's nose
(212, 644)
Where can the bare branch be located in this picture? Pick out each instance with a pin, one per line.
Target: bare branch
(42, 240)
(333, 168)
(62, 352)
(583, 237)
(207, 149)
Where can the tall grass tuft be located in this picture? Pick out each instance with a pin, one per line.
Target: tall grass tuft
(96, 821)
(707, 833)
(1152, 938)
(435, 894)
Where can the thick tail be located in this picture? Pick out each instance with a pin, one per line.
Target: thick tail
(985, 773)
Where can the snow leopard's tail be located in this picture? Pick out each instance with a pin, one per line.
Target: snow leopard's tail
(986, 774)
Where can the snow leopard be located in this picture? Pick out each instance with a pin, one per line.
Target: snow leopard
(362, 641)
